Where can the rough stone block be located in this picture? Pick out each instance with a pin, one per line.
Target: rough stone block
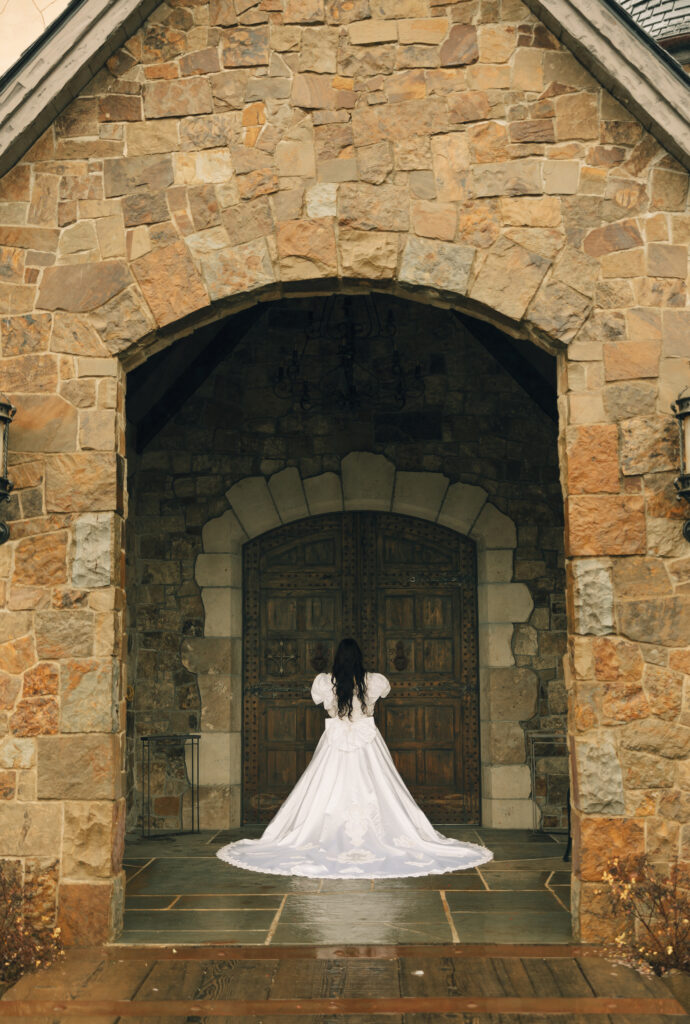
(222, 610)
(607, 524)
(81, 287)
(85, 916)
(211, 656)
(253, 506)
(658, 620)
(61, 634)
(495, 565)
(506, 743)
(493, 529)
(451, 160)
(220, 758)
(83, 767)
(592, 596)
(374, 207)
(419, 494)
(237, 269)
(506, 782)
(321, 200)
(40, 561)
(92, 564)
(510, 278)
(593, 459)
(367, 481)
(324, 493)
(17, 753)
(602, 839)
(223, 534)
(364, 33)
(371, 255)
(88, 696)
(128, 174)
(288, 495)
(88, 839)
(215, 570)
(495, 647)
(600, 778)
(437, 264)
(177, 98)
(504, 602)
(509, 814)
(29, 829)
(512, 695)
(170, 283)
(461, 506)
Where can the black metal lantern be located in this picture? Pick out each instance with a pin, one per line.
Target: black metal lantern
(681, 408)
(7, 411)
(353, 378)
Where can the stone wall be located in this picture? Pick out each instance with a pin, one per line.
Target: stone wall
(235, 433)
(454, 153)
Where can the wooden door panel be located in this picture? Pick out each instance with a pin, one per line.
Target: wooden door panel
(407, 590)
(399, 613)
(406, 763)
(439, 726)
(439, 769)
(281, 769)
(438, 656)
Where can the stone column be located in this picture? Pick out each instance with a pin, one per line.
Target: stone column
(61, 631)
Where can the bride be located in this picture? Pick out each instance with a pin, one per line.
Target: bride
(350, 814)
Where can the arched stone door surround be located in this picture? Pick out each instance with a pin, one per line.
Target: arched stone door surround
(366, 481)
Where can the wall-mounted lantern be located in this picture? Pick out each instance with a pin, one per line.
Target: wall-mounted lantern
(7, 411)
(681, 408)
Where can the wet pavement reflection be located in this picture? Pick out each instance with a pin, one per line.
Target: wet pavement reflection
(179, 892)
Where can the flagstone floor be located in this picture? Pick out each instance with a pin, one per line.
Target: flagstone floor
(179, 892)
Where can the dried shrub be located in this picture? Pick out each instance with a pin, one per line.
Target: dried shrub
(28, 938)
(653, 908)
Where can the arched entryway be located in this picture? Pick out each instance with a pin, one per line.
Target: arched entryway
(369, 482)
(406, 589)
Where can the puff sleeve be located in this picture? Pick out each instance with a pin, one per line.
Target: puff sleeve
(378, 686)
(322, 690)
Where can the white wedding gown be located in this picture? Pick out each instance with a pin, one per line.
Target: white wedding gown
(350, 814)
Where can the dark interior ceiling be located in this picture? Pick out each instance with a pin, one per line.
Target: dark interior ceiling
(158, 388)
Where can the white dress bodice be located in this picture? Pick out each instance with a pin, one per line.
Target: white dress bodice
(323, 692)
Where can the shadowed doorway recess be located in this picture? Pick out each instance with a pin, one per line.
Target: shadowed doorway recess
(406, 589)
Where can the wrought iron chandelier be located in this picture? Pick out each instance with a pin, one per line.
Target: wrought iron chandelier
(350, 377)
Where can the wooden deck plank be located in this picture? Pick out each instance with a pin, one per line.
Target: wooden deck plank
(557, 978)
(171, 981)
(513, 976)
(371, 978)
(419, 976)
(609, 979)
(305, 977)
(236, 980)
(596, 1007)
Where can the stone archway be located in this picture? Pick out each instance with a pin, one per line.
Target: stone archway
(367, 481)
(480, 167)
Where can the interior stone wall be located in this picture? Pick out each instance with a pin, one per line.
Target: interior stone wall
(475, 453)
(454, 153)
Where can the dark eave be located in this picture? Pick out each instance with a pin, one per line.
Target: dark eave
(639, 73)
(54, 70)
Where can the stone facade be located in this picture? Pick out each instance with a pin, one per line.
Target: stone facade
(486, 467)
(454, 153)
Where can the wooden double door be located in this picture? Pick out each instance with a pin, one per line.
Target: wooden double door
(406, 590)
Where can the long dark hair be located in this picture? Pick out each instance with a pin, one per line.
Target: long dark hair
(348, 676)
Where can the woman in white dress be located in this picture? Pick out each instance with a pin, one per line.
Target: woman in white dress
(350, 814)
